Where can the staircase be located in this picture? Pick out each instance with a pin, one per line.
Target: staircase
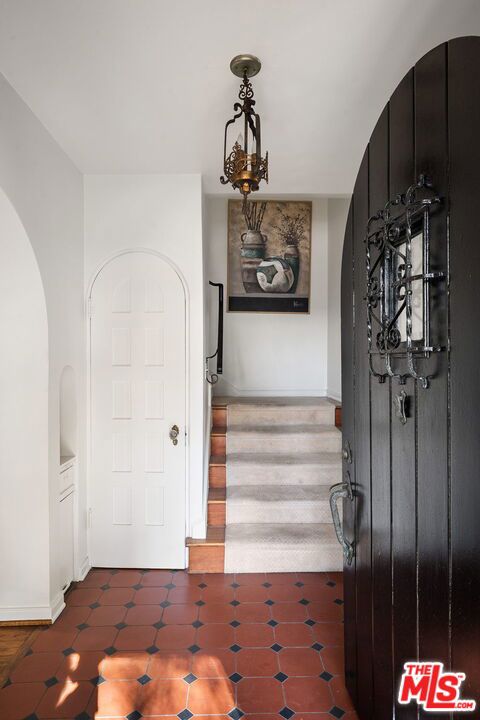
(282, 455)
(207, 555)
(272, 463)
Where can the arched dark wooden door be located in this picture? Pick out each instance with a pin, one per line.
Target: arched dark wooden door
(412, 591)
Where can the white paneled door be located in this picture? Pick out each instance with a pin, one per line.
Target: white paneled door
(138, 392)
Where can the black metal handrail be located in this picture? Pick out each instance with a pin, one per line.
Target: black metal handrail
(212, 379)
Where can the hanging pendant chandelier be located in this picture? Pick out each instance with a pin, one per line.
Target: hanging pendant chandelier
(244, 166)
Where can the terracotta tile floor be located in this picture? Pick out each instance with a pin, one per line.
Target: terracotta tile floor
(134, 644)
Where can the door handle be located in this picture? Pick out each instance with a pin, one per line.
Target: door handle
(341, 490)
(173, 434)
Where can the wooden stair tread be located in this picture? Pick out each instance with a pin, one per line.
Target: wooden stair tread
(218, 431)
(215, 536)
(218, 460)
(217, 495)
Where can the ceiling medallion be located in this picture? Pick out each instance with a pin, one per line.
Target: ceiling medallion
(244, 166)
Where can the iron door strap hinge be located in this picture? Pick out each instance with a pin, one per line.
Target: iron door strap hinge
(342, 490)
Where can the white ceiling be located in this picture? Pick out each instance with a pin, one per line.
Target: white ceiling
(140, 86)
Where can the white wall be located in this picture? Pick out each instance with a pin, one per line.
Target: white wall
(162, 213)
(24, 514)
(68, 413)
(268, 353)
(337, 219)
(46, 191)
(274, 354)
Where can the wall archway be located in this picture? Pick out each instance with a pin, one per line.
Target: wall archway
(24, 513)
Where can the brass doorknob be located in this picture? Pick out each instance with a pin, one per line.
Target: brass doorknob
(173, 434)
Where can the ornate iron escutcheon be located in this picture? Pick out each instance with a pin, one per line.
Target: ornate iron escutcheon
(347, 453)
(342, 490)
(398, 285)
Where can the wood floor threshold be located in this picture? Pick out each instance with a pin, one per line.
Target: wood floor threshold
(14, 642)
(24, 623)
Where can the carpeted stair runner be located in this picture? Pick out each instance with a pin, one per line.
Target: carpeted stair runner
(282, 457)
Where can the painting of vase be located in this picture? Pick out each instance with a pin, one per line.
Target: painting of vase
(252, 252)
(269, 248)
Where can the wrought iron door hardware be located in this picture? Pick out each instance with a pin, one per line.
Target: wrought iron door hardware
(212, 378)
(398, 284)
(342, 490)
(401, 406)
(347, 452)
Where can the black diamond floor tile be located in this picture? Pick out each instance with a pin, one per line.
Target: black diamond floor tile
(51, 682)
(185, 714)
(144, 679)
(236, 714)
(135, 715)
(98, 680)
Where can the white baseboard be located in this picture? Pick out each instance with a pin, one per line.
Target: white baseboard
(84, 569)
(224, 387)
(33, 612)
(57, 606)
(26, 612)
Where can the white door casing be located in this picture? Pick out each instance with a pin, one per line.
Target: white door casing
(138, 392)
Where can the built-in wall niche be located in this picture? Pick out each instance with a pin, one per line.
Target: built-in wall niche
(68, 415)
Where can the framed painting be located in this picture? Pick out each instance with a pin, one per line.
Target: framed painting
(269, 256)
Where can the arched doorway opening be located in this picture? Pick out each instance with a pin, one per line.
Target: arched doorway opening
(138, 396)
(24, 513)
